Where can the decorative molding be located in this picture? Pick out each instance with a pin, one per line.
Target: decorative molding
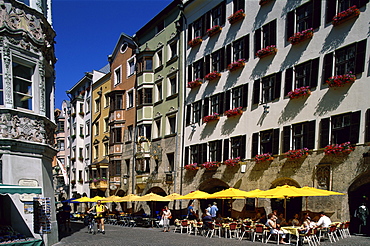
(42, 86)
(160, 45)
(158, 114)
(159, 77)
(7, 75)
(172, 71)
(173, 35)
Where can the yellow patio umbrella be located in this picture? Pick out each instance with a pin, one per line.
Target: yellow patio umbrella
(312, 191)
(96, 198)
(111, 199)
(152, 197)
(128, 198)
(194, 195)
(83, 199)
(173, 196)
(230, 193)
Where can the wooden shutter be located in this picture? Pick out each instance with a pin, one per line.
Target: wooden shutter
(190, 73)
(324, 132)
(190, 32)
(328, 67)
(242, 146)
(314, 72)
(223, 66)
(286, 139)
(207, 21)
(355, 127)
(206, 107)
(245, 96)
(204, 24)
(186, 157)
(360, 56)
(288, 81)
(272, 30)
(275, 141)
(316, 15)
(367, 126)
(311, 135)
(223, 13)
(228, 55)
(254, 144)
(290, 24)
(246, 47)
(257, 41)
(226, 149)
(331, 10)
(219, 150)
(256, 92)
(204, 152)
(207, 64)
(227, 100)
(221, 103)
(277, 87)
(188, 115)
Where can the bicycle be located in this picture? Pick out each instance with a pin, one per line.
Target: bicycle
(91, 223)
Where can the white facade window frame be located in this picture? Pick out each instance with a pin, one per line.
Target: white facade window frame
(117, 75)
(128, 98)
(129, 71)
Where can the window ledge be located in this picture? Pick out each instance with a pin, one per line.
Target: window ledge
(159, 68)
(172, 96)
(170, 135)
(128, 142)
(158, 102)
(156, 139)
(172, 60)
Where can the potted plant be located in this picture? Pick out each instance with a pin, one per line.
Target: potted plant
(234, 112)
(80, 181)
(209, 165)
(195, 83)
(214, 116)
(299, 92)
(195, 41)
(296, 154)
(212, 76)
(339, 149)
(236, 64)
(214, 30)
(269, 50)
(238, 15)
(301, 36)
(73, 182)
(232, 162)
(341, 80)
(81, 113)
(192, 166)
(345, 15)
(95, 180)
(80, 158)
(263, 158)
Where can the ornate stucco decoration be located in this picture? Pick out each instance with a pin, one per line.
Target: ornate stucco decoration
(160, 45)
(42, 86)
(159, 78)
(172, 35)
(33, 129)
(158, 114)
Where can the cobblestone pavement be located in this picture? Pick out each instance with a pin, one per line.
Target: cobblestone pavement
(116, 235)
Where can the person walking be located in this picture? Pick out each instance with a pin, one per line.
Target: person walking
(213, 211)
(101, 211)
(191, 213)
(66, 215)
(166, 216)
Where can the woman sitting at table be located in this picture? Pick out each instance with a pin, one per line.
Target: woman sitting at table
(306, 226)
(271, 223)
(281, 220)
(295, 220)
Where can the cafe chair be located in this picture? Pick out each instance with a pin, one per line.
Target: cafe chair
(177, 224)
(185, 225)
(213, 229)
(259, 231)
(346, 229)
(232, 230)
(276, 235)
(332, 234)
(246, 229)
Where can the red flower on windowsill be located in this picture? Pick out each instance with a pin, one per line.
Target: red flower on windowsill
(195, 41)
(195, 83)
(235, 65)
(299, 92)
(345, 15)
(232, 162)
(269, 50)
(238, 15)
(214, 30)
(296, 154)
(339, 149)
(341, 80)
(211, 165)
(212, 117)
(263, 158)
(212, 76)
(301, 36)
(234, 111)
(193, 166)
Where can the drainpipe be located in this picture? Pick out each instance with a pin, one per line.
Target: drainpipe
(69, 112)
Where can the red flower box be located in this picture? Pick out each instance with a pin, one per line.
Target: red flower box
(341, 80)
(211, 165)
(296, 154)
(193, 166)
(263, 158)
(234, 112)
(238, 15)
(212, 117)
(195, 41)
(301, 36)
(339, 149)
(214, 30)
(212, 76)
(269, 50)
(232, 162)
(195, 83)
(346, 15)
(299, 92)
(235, 65)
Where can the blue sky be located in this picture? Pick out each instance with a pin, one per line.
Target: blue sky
(88, 30)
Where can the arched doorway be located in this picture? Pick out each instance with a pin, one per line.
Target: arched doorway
(211, 186)
(358, 194)
(156, 207)
(122, 205)
(293, 204)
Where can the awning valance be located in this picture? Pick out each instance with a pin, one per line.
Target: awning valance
(18, 189)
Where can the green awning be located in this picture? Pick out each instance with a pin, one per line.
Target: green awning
(18, 189)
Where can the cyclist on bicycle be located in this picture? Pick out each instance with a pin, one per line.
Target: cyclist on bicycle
(101, 211)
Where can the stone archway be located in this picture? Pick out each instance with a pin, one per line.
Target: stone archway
(358, 193)
(293, 205)
(211, 186)
(156, 207)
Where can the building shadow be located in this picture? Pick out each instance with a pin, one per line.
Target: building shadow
(336, 36)
(261, 67)
(262, 14)
(229, 125)
(208, 129)
(331, 100)
(75, 227)
(294, 54)
(292, 109)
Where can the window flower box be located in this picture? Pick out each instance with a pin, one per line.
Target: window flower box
(212, 117)
(232, 162)
(211, 165)
(263, 158)
(341, 80)
(345, 15)
(238, 15)
(73, 182)
(296, 154)
(73, 159)
(299, 92)
(195, 41)
(193, 166)
(212, 76)
(236, 65)
(301, 36)
(80, 158)
(195, 83)
(339, 149)
(269, 50)
(214, 30)
(234, 112)
(73, 114)
(80, 181)
(103, 179)
(264, 2)
(81, 113)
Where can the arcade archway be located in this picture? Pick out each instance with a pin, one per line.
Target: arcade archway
(156, 207)
(211, 186)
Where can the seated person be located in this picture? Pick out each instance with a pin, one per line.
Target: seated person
(306, 226)
(271, 223)
(263, 219)
(324, 221)
(295, 221)
(281, 220)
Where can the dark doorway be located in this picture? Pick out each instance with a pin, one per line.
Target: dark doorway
(293, 206)
(356, 198)
(211, 186)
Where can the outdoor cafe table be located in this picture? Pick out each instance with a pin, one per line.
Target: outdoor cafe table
(291, 230)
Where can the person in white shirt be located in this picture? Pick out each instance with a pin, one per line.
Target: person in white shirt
(324, 221)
